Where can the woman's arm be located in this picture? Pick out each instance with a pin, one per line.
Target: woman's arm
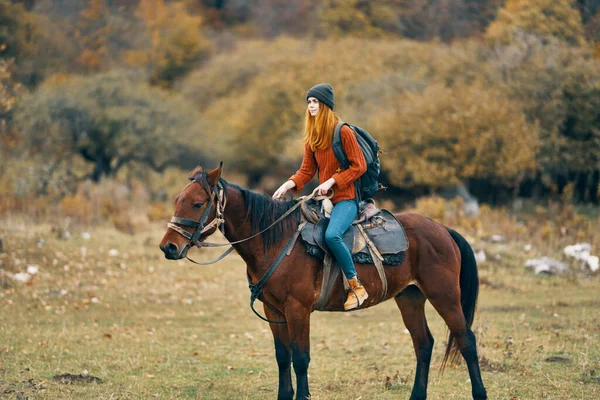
(307, 170)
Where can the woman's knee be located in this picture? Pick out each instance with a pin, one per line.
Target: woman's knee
(332, 237)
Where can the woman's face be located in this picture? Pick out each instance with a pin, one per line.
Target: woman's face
(313, 106)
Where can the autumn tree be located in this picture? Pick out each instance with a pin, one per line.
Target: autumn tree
(449, 135)
(110, 120)
(559, 87)
(174, 41)
(9, 91)
(546, 19)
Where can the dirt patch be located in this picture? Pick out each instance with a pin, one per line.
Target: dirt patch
(69, 379)
(558, 359)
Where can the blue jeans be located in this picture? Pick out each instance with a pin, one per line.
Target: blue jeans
(344, 212)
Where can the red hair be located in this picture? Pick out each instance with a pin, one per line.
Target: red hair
(318, 130)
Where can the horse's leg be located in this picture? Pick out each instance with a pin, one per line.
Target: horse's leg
(283, 354)
(411, 302)
(445, 298)
(298, 323)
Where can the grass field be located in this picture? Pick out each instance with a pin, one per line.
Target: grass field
(112, 307)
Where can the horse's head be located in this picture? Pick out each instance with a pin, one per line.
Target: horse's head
(196, 213)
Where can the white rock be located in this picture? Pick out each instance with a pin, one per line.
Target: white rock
(593, 263)
(546, 265)
(22, 277)
(579, 251)
(86, 235)
(527, 248)
(497, 238)
(113, 252)
(32, 269)
(480, 256)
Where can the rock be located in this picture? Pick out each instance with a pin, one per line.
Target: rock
(581, 252)
(497, 238)
(527, 248)
(470, 202)
(113, 252)
(593, 263)
(22, 277)
(480, 256)
(33, 269)
(546, 265)
(86, 236)
(578, 250)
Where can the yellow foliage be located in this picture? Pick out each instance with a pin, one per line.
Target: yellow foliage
(176, 40)
(93, 30)
(433, 207)
(547, 230)
(130, 223)
(548, 19)
(445, 135)
(77, 207)
(159, 212)
(9, 90)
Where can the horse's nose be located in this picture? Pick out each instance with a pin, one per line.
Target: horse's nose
(171, 250)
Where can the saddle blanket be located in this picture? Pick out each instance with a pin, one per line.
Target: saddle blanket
(383, 229)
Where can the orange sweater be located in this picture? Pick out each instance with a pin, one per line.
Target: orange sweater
(329, 166)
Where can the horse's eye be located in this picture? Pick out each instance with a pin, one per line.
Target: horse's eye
(198, 205)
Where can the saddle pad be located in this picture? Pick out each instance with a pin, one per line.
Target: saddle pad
(383, 229)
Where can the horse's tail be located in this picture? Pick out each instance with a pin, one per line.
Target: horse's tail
(469, 290)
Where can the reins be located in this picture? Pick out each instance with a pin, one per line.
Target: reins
(300, 202)
(221, 201)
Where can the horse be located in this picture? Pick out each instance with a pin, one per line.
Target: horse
(439, 266)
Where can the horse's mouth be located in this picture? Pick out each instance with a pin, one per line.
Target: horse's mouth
(169, 255)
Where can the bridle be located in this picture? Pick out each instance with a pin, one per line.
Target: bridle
(217, 196)
(220, 198)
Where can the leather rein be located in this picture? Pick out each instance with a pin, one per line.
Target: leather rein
(219, 197)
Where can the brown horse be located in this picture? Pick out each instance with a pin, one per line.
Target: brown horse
(439, 266)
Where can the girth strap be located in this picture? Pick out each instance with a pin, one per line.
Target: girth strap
(327, 283)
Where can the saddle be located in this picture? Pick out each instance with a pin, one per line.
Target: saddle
(376, 237)
(381, 234)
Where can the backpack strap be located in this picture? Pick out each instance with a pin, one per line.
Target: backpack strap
(336, 144)
(338, 150)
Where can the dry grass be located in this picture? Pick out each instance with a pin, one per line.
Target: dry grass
(150, 328)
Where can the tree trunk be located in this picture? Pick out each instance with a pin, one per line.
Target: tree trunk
(594, 186)
(581, 186)
(102, 167)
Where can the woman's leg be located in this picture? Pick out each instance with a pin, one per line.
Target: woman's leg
(344, 212)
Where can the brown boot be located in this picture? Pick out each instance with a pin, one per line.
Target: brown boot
(355, 287)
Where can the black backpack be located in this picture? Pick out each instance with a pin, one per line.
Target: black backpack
(368, 184)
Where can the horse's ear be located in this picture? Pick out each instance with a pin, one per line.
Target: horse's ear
(195, 172)
(214, 175)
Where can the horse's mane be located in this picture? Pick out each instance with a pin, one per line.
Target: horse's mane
(262, 211)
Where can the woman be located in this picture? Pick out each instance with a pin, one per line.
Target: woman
(320, 123)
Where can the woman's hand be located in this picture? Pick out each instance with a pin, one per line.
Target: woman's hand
(324, 187)
(279, 193)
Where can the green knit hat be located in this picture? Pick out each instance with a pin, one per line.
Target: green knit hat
(322, 92)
